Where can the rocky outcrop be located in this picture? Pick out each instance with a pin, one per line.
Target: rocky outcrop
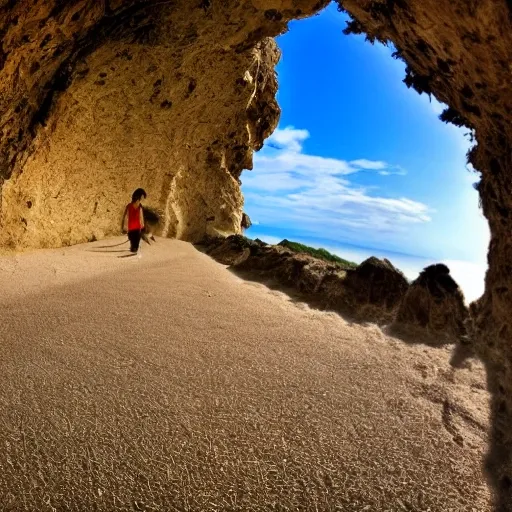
(230, 251)
(435, 302)
(246, 221)
(377, 283)
(374, 290)
(371, 291)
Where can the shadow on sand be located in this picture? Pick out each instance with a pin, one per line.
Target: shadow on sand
(108, 252)
(499, 454)
(112, 246)
(408, 334)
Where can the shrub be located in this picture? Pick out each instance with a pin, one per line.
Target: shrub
(321, 253)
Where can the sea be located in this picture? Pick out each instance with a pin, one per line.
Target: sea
(469, 275)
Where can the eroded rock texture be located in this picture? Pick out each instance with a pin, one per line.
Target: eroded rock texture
(435, 302)
(98, 97)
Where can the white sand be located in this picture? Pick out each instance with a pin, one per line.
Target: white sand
(168, 383)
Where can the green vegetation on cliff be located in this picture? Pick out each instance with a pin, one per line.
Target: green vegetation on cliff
(321, 254)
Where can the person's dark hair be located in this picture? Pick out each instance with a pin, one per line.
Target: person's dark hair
(138, 195)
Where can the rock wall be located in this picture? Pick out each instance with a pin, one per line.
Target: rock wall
(98, 97)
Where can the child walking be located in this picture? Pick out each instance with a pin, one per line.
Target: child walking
(133, 212)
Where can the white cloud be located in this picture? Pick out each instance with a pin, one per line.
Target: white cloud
(383, 168)
(315, 192)
(362, 163)
(289, 139)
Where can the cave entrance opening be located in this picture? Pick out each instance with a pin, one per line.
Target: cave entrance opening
(361, 165)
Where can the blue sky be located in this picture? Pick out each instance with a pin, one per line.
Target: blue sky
(360, 159)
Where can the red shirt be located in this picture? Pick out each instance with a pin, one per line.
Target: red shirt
(133, 218)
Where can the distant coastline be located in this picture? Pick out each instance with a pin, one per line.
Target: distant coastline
(469, 275)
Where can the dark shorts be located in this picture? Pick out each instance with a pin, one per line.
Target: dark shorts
(134, 237)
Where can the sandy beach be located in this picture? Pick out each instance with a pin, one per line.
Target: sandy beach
(168, 383)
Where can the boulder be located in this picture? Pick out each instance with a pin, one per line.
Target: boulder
(435, 302)
(378, 283)
(246, 221)
(233, 250)
(371, 292)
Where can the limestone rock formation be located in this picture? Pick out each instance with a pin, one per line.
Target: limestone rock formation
(435, 302)
(99, 98)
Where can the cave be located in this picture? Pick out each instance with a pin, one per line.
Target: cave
(98, 98)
